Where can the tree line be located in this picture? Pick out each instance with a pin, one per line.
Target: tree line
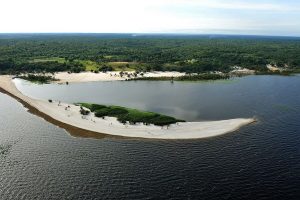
(164, 53)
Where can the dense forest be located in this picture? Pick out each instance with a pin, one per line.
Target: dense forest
(105, 52)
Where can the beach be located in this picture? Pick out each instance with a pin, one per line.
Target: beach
(69, 115)
(64, 77)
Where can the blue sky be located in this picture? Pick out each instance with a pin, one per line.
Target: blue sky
(255, 17)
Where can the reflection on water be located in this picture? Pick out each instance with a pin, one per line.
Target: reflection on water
(42, 161)
(241, 97)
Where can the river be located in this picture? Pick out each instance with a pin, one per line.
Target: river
(41, 161)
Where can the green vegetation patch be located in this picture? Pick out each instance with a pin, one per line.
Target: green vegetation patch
(132, 116)
(89, 65)
(108, 66)
(41, 79)
(196, 54)
(123, 66)
(92, 107)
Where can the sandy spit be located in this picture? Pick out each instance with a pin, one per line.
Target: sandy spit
(70, 117)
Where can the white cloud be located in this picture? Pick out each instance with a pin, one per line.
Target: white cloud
(226, 4)
(135, 15)
(240, 5)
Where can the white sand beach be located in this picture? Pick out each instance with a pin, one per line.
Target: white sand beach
(109, 125)
(108, 76)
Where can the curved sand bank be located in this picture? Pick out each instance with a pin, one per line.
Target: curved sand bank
(71, 118)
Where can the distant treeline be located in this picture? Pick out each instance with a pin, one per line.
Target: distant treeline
(160, 53)
(12, 67)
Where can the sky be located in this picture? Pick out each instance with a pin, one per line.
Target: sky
(248, 17)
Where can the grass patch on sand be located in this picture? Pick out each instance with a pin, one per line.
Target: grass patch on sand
(92, 65)
(123, 66)
(89, 65)
(130, 115)
(113, 66)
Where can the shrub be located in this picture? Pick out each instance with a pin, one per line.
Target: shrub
(95, 107)
(102, 112)
(84, 112)
(117, 111)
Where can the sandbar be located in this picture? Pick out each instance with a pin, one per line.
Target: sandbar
(60, 113)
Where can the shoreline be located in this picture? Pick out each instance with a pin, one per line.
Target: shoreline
(74, 131)
(93, 127)
(64, 77)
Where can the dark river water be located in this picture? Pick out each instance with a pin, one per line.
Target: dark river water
(41, 161)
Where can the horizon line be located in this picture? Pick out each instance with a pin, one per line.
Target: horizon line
(154, 33)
